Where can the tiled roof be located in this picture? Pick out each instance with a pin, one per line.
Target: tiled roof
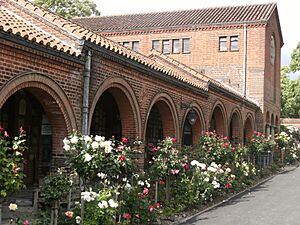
(22, 18)
(194, 17)
(194, 74)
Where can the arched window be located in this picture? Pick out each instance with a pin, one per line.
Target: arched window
(272, 50)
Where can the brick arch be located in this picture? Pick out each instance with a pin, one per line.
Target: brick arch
(248, 127)
(169, 116)
(219, 114)
(272, 120)
(199, 127)
(124, 97)
(235, 126)
(46, 90)
(53, 100)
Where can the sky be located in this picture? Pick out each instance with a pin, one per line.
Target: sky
(288, 14)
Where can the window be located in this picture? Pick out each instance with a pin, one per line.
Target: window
(222, 44)
(126, 44)
(175, 47)
(234, 43)
(166, 46)
(155, 45)
(272, 50)
(135, 46)
(186, 45)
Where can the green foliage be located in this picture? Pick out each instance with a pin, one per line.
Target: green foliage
(290, 95)
(214, 148)
(295, 62)
(92, 156)
(70, 8)
(259, 144)
(166, 160)
(55, 186)
(139, 207)
(11, 162)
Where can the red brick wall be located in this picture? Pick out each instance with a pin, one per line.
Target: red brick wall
(55, 82)
(148, 90)
(263, 79)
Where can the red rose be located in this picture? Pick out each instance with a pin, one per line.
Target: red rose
(126, 216)
(227, 185)
(161, 182)
(122, 158)
(157, 205)
(173, 140)
(146, 191)
(1, 129)
(124, 140)
(151, 208)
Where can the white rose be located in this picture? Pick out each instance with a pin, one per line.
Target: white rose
(95, 145)
(87, 157)
(74, 140)
(78, 219)
(67, 147)
(13, 207)
(87, 139)
(66, 141)
(112, 203)
(99, 138)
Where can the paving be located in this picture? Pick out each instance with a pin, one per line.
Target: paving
(274, 202)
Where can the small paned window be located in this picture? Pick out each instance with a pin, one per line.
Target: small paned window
(186, 45)
(234, 43)
(155, 45)
(222, 44)
(166, 46)
(175, 46)
(126, 44)
(135, 46)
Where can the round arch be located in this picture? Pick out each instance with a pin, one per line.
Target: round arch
(235, 127)
(248, 127)
(218, 119)
(123, 95)
(37, 103)
(196, 129)
(167, 109)
(50, 93)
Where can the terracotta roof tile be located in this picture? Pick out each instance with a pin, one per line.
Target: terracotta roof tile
(21, 17)
(193, 74)
(194, 17)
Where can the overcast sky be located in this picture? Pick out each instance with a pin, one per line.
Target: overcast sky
(289, 11)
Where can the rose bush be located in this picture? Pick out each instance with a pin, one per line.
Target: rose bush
(11, 162)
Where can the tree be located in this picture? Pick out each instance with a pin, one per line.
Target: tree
(290, 95)
(295, 61)
(70, 8)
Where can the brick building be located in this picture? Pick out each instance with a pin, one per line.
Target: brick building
(57, 76)
(239, 46)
